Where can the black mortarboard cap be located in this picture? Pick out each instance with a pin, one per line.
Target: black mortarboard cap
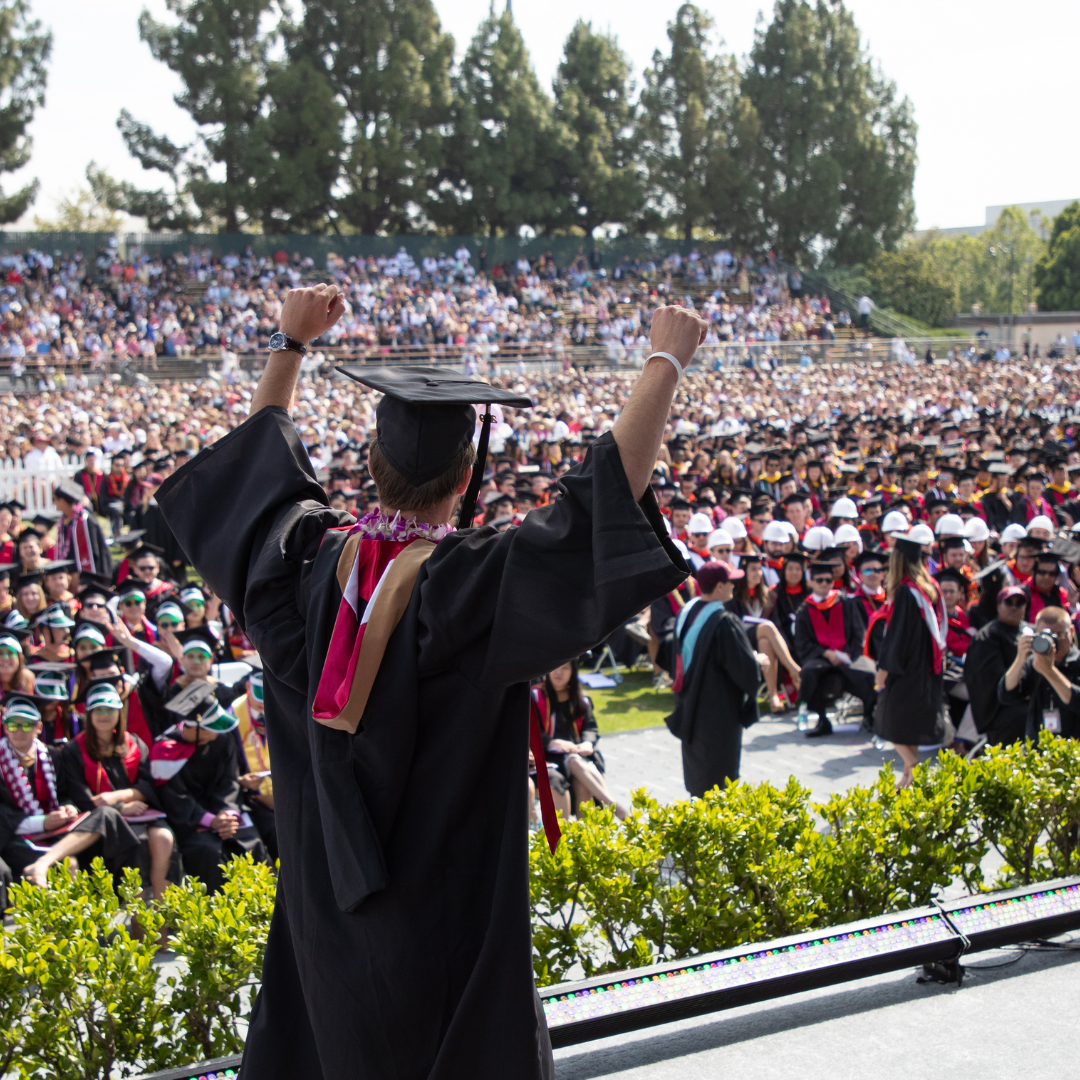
(129, 539)
(949, 573)
(69, 490)
(426, 417)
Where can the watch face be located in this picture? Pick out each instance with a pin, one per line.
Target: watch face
(277, 342)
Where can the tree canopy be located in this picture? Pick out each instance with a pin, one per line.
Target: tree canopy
(1057, 273)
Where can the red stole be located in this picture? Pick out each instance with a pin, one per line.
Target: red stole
(96, 777)
(830, 632)
(957, 638)
(677, 600)
(545, 716)
(1033, 510)
(1039, 601)
(7, 552)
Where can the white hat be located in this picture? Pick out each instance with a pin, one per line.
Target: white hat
(976, 529)
(684, 551)
(719, 538)
(776, 533)
(734, 528)
(847, 534)
(1013, 533)
(843, 508)
(1041, 522)
(818, 538)
(921, 534)
(950, 525)
(699, 523)
(790, 530)
(895, 522)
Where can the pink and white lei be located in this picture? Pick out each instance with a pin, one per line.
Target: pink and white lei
(377, 526)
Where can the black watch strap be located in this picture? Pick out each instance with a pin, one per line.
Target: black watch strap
(280, 342)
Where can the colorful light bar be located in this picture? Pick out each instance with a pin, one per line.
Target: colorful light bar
(628, 1000)
(577, 1012)
(1037, 911)
(218, 1069)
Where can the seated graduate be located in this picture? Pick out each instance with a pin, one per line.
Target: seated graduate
(828, 638)
(197, 655)
(106, 766)
(30, 805)
(52, 628)
(52, 695)
(570, 735)
(258, 795)
(196, 766)
(15, 676)
(1044, 589)
(716, 684)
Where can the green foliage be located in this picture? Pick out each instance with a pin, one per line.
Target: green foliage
(223, 938)
(388, 63)
(502, 159)
(836, 151)
(1057, 273)
(910, 281)
(1028, 803)
(87, 983)
(24, 49)
(592, 102)
(695, 132)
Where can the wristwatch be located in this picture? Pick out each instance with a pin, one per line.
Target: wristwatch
(280, 342)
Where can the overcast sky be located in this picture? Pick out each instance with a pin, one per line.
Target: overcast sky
(993, 86)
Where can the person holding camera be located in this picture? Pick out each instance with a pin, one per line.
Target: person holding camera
(1046, 675)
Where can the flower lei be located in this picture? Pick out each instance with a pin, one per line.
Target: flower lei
(376, 525)
(18, 782)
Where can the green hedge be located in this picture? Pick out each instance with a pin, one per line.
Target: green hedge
(81, 999)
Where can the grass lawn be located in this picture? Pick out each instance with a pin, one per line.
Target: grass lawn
(632, 704)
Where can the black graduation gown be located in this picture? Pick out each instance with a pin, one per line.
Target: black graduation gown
(718, 700)
(161, 536)
(783, 614)
(990, 654)
(99, 547)
(117, 845)
(208, 783)
(909, 707)
(401, 942)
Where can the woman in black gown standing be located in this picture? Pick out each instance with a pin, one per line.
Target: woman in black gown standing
(911, 661)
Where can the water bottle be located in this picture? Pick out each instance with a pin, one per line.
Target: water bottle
(802, 719)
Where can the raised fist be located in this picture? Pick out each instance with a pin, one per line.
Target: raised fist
(307, 313)
(677, 330)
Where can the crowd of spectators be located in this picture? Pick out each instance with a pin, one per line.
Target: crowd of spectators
(72, 313)
(773, 473)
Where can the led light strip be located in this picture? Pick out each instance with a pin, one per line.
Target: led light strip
(1044, 910)
(632, 999)
(218, 1069)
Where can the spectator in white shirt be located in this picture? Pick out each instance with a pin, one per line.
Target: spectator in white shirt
(42, 457)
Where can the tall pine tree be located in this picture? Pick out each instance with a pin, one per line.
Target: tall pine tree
(502, 164)
(836, 147)
(219, 50)
(593, 102)
(24, 50)
(685, 110)
(388, 63)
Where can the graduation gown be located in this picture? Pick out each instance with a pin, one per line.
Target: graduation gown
(990, 654)
(718, 700)
(67, 545)
(401, 946)
(909, 707)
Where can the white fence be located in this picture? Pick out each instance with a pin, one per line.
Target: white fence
(32, 487)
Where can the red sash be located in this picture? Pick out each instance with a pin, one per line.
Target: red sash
(677, 600)
(96, 777)
(1039, 601)
(543, 784)
(830, 633)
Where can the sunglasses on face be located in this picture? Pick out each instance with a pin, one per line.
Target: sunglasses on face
(93, 604)
(133, 603)
(823, 580)
(872, 570)
(170, 624)
(20, 725)
(1015, 601)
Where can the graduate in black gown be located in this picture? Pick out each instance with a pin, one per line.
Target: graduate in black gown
(716, 697)
(197, 767)
(911, 663)
(401, 943)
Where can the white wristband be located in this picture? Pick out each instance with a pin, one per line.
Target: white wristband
(668, 356)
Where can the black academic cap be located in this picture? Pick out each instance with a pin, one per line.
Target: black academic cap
(30, 531)
(872, 500)
(426, 417)
(46, 519)
(106, 680)
(869, 556)
(106, 658)
(795, 556)
(817, 567)
(130, 539)
(146, 549)
(950, 542)
(59, 566)
(14, 506)
(1065, 549)
(795, 497)
(32, 577)
(949, 573)
(94, 585)
(999, 468)
(70, 491)
(678, 504)
(201, 634)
